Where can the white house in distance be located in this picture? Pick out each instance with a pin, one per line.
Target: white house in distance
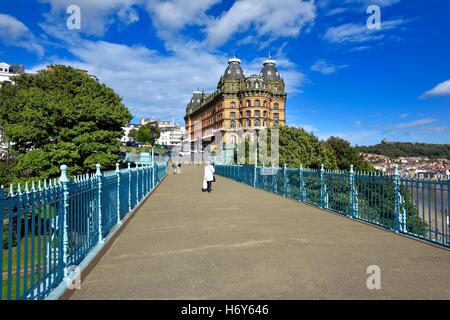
(171, 134)
(126, 132)
(6, 72)
(9, 70)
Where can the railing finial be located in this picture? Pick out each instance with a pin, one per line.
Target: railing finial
(98, 172)
(63, 177)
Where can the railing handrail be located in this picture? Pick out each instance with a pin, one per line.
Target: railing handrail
(61, 221)
(416, 207)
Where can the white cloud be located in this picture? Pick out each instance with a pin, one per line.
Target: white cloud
(408, 125)
(381, 3)
(358, 137)
(308, 127)
(262, 18)
(152, 84)
(128, 15)
(14, 33)
(359, 33)
(96, 15)
(173, 15)
(355, 6)
(417, 130)
(442, 89)
(336, 11)
(324, 67)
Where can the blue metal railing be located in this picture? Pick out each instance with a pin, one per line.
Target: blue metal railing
(415, 207)
(49, 226)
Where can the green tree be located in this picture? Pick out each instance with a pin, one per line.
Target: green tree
(408, 149)
(147, 134)
(143, 135)
(132, 133)
(61, 116)
(155, 133)
(347, 155)
(298, 147)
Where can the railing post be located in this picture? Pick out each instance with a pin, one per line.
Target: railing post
(143, 181)
(64, 180)
(448, 211)
(322, 187)
(274, 180)
(302, 184)
(285, 184)
(352, 189)
(147, 178)
(118, 193)
(398, 223)
(98, 174)
(153, 167)
(255, 168)
(137, 183)
(129, 186)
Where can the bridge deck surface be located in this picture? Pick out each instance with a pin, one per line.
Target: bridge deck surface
(243, 243)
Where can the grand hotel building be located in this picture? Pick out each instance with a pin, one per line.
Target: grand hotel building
(239, 103)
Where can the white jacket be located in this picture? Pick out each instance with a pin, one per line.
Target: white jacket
(209, 173)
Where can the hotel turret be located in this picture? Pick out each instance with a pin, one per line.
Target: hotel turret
(239, 103)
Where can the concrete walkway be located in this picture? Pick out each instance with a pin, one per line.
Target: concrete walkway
(243, 243)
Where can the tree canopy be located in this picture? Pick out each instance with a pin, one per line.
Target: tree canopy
(147, 134)
(347, 155)
(408, 149)
(298, 147)
(61, 116)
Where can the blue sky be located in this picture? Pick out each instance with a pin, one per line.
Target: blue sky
(342, 78)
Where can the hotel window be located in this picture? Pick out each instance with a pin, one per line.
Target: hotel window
(276, 117)
(232, 125)
(247, 103)
(257, 123)
(276, 106)
(275, 125)
(256, 85)
(248, 123)
(248, 114)
(233, 105)
(257, 114)
(265, 114)
(265, 123)
(232, 115)
(257, 103)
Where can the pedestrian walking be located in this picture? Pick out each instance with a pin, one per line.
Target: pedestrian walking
(208, 177)
(174, 166)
